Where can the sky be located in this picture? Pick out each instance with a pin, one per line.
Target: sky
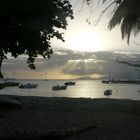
(82, 36)
(67, 64)
(89, 51)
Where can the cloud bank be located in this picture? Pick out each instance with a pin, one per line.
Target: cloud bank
(66, 64)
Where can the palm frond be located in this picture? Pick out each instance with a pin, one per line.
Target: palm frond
(119, 14)
(128, 16)
(130, 24)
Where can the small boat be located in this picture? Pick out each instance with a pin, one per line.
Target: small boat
(28, 86)
(58, 87)
(70, 83)
(108, 92)
(8, 82)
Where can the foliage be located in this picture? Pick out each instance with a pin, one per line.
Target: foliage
(27, 26)
(126, 14)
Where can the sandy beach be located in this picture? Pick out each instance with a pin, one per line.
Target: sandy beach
(69, 119)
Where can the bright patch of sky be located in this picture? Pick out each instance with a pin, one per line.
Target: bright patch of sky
(82, 36)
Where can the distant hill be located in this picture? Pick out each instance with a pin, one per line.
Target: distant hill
(86, 78)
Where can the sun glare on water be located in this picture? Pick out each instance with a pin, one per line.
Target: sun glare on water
(85, 41)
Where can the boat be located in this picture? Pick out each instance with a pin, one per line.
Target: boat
(70, 83)
(8, 82)
(58, 87)
(28, 86)
(108, 92)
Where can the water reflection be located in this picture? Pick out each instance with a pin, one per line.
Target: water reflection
(83, 88)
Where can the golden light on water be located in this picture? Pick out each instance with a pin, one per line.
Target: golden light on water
(85, 41)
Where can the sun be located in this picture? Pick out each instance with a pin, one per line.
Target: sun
(85, 41)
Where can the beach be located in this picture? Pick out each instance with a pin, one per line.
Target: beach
(69, 118)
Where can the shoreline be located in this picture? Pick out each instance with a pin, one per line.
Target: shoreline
(70, 118)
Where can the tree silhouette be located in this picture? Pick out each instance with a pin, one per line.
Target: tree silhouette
(126, 13)
(128, 16)
(27, 26)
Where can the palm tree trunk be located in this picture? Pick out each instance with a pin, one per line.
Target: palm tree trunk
(1, 75)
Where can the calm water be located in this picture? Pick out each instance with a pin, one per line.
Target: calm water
(83, 88)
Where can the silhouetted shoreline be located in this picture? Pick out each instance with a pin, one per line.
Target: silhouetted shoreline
(70, 118)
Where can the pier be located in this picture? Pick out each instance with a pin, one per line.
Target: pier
(121, 81)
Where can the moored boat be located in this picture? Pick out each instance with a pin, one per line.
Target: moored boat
(58, 87)
(108, 92)
(70, 83)
(11, 84)
(28, 86)
(8, 82)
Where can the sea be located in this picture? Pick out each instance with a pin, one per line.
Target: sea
(82, 89)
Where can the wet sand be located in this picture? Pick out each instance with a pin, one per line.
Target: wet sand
(69, 119)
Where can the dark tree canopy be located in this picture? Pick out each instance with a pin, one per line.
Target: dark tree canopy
(26, 26)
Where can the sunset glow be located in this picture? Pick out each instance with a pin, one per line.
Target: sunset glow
(85, 41)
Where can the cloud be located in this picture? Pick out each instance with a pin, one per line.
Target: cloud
(83, 67)
(60, 53)
(66, 63)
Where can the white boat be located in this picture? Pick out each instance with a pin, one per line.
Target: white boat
(28, 86)
(108, 92)
(70, 83)
(58, 87)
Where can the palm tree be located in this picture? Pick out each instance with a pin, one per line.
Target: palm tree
(127, 15)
